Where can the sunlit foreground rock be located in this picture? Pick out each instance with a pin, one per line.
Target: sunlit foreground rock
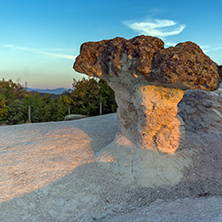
(149, 82)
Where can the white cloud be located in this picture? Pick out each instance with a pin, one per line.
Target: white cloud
(156, 27)
(168, 43)
(205, 48)
(7, 46)
(218, 48)
(61, 56)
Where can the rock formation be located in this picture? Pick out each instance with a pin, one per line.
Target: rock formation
(149, 81)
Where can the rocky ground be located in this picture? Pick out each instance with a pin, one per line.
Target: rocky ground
(48, 172)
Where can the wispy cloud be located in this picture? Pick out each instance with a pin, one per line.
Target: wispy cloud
(156, 27)
(205, 48)
(61, 56)
(218, 48)
(168, 43)
(7, 46)
(57, 55)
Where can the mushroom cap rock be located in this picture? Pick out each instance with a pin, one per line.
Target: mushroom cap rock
(95, 57)
(144, 58)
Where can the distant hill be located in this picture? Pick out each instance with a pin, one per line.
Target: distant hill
(56, 91)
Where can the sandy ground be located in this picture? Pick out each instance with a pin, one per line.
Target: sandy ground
(48, 172)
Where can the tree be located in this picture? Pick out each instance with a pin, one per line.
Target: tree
(3, 107)
(11, 90)
(107, 97)
(87, 94)
(17, 113)
(67, 100)
(9, 94)
(85, 97)
(61, 110)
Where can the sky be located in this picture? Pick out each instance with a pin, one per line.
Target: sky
(40, 39)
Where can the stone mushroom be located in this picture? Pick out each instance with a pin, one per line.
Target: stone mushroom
(149, 81)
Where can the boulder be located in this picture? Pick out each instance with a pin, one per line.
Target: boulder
(149, 81)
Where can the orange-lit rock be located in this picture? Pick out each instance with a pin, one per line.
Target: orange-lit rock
(159, 126)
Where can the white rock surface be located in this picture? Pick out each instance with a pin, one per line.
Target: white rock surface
(48, 172)
(202, 110)
(141, 166)
(192, 210)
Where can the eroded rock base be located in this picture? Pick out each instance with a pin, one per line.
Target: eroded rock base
(141, 166)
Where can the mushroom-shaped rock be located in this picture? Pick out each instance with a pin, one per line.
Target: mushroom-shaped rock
(148, 81)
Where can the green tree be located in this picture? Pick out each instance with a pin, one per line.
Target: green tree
(11, 90)
(61, 110)
(16, 113)
(11, 95)
(3, 107)
(67, 100)
(36, 103)
(85, 97)
(107, 97)
(87, 94)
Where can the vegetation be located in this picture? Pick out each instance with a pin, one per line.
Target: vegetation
(84, 98)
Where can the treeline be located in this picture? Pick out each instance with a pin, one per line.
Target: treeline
(84, 98)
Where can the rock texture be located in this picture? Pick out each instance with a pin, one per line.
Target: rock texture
(149, 81)
(108, 58)
(186, 66)
(201, 111)
(159, 125)
(144, 57)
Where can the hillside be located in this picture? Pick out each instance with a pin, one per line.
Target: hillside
(56, 91)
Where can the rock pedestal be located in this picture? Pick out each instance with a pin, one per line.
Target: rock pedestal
(148, 117)
(149, 82)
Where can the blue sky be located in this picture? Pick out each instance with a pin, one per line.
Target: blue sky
(40, 39)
